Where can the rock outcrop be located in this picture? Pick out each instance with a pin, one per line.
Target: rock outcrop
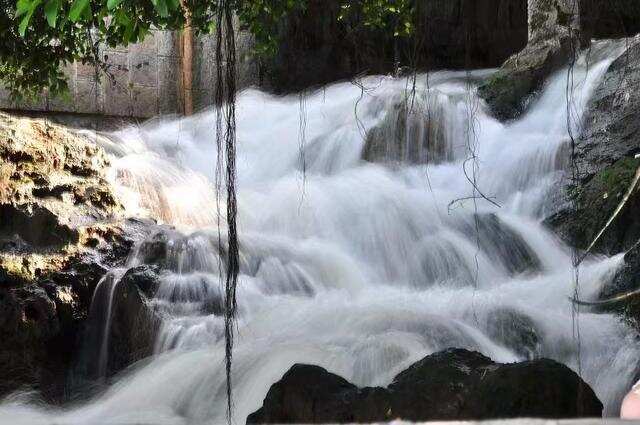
(606, 162)
(412, 133)
(454, 384)
(61, 229)
(554, 37)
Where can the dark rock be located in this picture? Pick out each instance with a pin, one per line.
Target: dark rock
(502, 244)
(409, 134)
(515, 331)
(611, 129)
(605, 160)
(154, 250)
(315, 47)
(454, 384)
(61, 229)
(133, 324)
(595, 202)
(610, 19)
(36, 225)
(28, 323)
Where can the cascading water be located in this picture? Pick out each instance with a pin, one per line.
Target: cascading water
(360, 267)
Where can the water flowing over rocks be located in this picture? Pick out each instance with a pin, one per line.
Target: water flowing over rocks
(454, 384)
(359, 267)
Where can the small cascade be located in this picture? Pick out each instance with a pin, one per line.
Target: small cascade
(413, 226)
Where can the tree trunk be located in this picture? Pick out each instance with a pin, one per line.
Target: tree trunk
(187, 62)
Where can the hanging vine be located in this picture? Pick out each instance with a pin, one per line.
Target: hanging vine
(225, 102)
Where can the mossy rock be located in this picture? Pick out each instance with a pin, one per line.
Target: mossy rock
(595, 202)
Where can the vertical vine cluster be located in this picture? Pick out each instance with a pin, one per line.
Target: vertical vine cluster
(225, 101)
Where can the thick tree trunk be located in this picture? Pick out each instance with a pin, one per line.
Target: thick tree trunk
(187, 62)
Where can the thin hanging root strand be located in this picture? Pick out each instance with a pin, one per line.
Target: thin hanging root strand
(609, 302)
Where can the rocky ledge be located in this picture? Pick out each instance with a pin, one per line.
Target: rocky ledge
(455, 384)
(61, 229)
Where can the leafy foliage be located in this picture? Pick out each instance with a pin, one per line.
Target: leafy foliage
(38, 37)
(396, 15)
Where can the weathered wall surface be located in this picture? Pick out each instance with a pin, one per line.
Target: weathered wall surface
(142, 80)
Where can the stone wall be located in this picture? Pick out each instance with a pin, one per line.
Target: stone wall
(142, 80)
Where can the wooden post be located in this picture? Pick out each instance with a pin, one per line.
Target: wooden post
(187, 61)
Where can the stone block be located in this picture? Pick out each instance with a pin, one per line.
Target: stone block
(169, 85)
(144, 70)
(145, 101)
(86, 71)
(202, 98)
(148, 46)
(168, 43)
(63, 102)
(118, 99)
(88, 97)
(117, 68)
(36, 103)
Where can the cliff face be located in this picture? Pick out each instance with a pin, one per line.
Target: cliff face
(61, 229)
(316, 48)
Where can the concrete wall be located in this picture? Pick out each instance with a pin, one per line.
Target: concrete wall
(142, 80)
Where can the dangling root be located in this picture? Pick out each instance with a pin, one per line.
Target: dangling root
(609, 302)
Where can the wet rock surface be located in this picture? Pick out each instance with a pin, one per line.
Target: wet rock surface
(606, 162)
(61, 230)
(410, 133)
(453, 384)
(554, 37)
(133, 325)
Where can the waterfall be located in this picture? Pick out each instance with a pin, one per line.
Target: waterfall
(383, 253)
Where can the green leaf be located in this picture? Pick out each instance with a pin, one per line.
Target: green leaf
(161, 7)
(22, 7)
(77, 8)
(26, 8)
(112, 4)
(51, 12)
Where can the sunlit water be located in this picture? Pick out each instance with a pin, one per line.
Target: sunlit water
(360, 267)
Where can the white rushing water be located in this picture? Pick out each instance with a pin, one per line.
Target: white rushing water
(360, 267)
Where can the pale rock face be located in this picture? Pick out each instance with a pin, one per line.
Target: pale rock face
(552, 18)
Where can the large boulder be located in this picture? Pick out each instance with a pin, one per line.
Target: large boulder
(455, 384)
(133, 324)
(554, 36)
(605, 158)
(411, 133)
(606, 161)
